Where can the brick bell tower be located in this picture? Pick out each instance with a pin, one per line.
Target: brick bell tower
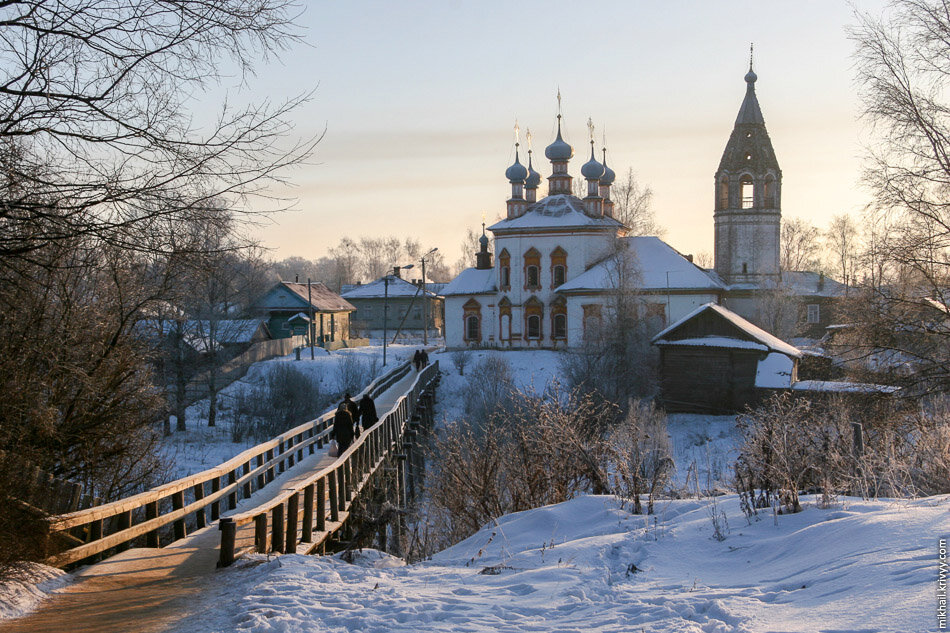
(748, 194)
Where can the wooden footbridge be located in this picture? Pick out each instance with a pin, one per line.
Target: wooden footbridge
(286, 495)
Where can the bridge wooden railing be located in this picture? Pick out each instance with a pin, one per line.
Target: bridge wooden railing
(78, 536)
(303, 517)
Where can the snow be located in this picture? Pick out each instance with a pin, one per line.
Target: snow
(377, 289)
(471, 281)
(202, 447)
(22, 592)
(590, 565)
(659, 267)
(842, 387)
(717, 341)
(757, 333)
(774, 371)
(554, 211)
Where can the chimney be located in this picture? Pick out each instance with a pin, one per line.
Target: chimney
(396, 272)
(689, 258)
(296, 279)
(821, 281)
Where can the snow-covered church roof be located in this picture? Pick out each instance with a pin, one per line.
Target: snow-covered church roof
(656, 266)
(555, 211)
(472, 281)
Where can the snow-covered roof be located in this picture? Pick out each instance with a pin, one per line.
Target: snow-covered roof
(657, 266)
(377, 289)
(717, 341)
(800, 283)
(842, 387)
(756, 333)
(198, 333)
(288, 295)
(472, 281)
(775, 371)
(555, 211)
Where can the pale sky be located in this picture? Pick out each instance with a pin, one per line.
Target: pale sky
(419, 100)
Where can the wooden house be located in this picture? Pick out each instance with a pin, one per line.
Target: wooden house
(714, 361)
(289, 305)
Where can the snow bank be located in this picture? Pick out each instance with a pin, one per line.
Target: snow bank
(589, 565)
(20, 595)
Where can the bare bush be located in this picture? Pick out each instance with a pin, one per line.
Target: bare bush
(490, 389)
(460, 359)
(792, 445)
(641, 456)
(355, 372)
(287, 398)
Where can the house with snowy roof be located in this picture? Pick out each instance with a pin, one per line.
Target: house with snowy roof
(559, 259)
(293, 308)
(406, 305)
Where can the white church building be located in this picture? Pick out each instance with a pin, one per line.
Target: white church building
(558, 261)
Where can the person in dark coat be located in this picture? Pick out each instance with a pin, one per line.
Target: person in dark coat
(423, 359)
(417, 359)
(368, 411)
(343, 427)
(354, 410)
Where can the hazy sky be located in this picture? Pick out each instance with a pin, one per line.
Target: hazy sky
(419, 99)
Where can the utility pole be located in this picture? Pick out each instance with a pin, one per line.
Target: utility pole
(310, 325)
(385, 315)
(425, 300)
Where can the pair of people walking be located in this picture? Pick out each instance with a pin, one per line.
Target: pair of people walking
(420, 359)
(349, 417)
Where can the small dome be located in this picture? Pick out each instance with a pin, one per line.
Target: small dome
(609, 176)
(750, 77)
(483, 240)
(559, 150)
(534, 178)
(517, 172)
(592, 169)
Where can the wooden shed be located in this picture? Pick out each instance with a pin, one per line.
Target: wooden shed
(714, 361)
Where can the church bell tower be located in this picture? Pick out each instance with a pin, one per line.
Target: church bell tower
(748, 190)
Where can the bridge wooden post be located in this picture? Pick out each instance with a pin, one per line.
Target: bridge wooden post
(232, 497)
(321, 504)
(341, 487)
(123, 521)
(260, 533)
(310, 437)
(270, 470)
(151, 512)
(334, 498)
(245, 469)
(216, 504)
(178, 502)
(277, 529)
(199, 492)
(300, 448)
(228, 538)
(293, 506)
(306, 535)
(281, 466)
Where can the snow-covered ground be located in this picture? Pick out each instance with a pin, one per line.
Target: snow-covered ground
(22, 592)
(202, 447)
(590, 565)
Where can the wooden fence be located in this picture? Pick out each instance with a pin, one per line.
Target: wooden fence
(78, 536)
(303, 518)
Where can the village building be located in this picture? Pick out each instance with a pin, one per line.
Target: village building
(396, 304)
(561, 260)
(293, 308)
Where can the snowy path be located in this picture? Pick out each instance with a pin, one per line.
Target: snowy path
(146, 590)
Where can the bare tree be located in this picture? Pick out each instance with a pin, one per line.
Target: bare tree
(842, 239)
(800, 244)
(469, 247)
(633, 205)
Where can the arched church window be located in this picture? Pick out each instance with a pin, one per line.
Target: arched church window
(558, 267)
(534, 326)
(745, 268)
(532, 269)
(504, 270)
(472, 331)
(560, 326)
(748, 194)
(724, 193)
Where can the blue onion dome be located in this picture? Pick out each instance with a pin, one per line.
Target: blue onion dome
(483, 240)
(750, 77)
(534, 178)
(592, 169)
(559, 150)
(609, 176)
(517, 172)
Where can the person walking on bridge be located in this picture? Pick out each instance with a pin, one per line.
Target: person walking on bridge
(343, 427)
(368, 411)
(354, 410)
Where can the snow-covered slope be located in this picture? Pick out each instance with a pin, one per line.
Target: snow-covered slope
(590, 565)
